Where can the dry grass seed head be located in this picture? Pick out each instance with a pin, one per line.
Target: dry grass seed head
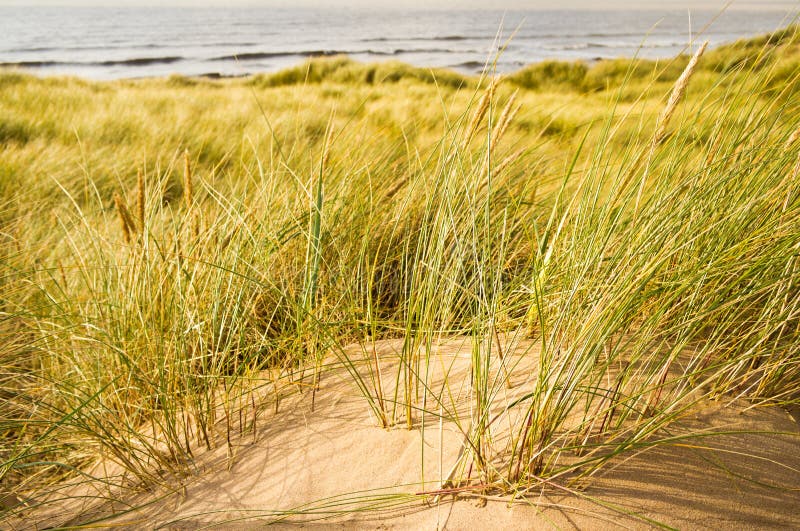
(140, 197)
(188, 187)
(507, 116)
(128, 227)
(678, 90)
(792, 139)
(479, 113)
(506, 162)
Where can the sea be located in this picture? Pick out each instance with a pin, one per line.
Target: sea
(132, 42)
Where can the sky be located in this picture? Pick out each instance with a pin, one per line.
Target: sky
(784, 5)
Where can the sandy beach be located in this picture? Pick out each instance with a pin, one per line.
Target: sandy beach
(333, 468)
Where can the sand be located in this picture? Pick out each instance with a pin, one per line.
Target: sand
(333, 467)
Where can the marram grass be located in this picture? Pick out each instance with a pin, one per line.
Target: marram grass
(640, 226)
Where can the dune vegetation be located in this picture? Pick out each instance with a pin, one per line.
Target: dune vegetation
(177, 253)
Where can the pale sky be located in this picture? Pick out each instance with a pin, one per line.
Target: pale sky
(784, 5)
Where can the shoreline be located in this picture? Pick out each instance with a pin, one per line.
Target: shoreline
(348, 69)
(463, 48)
(473, 69)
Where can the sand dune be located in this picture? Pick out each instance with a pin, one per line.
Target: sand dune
(332, 467)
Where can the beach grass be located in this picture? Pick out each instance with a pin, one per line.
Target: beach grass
(177, 253)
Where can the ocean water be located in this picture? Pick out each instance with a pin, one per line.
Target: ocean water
(108, 43)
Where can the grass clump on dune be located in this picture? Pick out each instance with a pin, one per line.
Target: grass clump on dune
(341, 69)
(174, 255)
